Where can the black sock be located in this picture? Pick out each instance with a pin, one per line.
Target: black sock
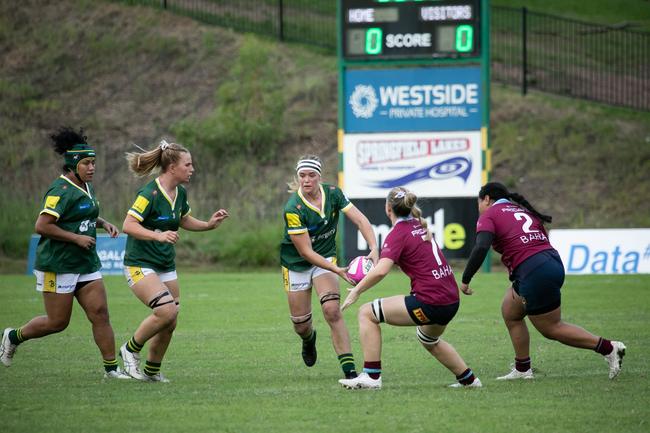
(466, 377)
(16, 336)
(152, 368)
(522, 364)
(133, 346)
(347, 365)
(110, 364)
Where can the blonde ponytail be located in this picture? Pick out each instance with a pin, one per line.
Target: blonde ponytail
(155, 160)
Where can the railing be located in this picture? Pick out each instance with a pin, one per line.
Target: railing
(608, 64)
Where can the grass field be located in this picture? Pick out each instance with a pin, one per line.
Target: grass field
(235, 367)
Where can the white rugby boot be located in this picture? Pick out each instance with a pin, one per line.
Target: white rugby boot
(131, 363)
(516, 374)
(614, 359)
(362, 381)
(7, 348)
(116, 374)
(158, 377)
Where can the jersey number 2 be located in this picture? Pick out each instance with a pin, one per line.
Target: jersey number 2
(528, 221)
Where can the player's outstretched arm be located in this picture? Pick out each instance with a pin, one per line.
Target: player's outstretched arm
(373, 277)
(188, 222)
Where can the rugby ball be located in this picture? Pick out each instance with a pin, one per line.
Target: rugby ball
(359, 268)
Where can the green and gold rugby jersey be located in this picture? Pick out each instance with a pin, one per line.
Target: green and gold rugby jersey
(155, 211)
(76, 210)
(300, 216)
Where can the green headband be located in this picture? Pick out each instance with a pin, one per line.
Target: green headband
(78, 152)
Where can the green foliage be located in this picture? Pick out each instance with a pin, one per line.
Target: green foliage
(546, 148)
(236, 245)
(16, 225)
(256, 247)
(234, 364)
(250, 102)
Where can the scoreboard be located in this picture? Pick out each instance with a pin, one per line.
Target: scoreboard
(410, 29)
(413, 111)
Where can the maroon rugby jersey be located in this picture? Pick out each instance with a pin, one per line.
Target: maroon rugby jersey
(518, 234)
(432, 280)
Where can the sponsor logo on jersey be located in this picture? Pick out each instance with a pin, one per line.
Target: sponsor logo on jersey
(140, 204)
(325, 235)
(51, 201)
(293, 220)
(86, 225)
(420, 315)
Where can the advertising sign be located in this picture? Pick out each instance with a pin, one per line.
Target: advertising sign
(431, 164)
(451, 220)
(603, 251)
(110, 252)
(412, 99)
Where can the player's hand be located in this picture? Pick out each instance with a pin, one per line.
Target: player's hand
(374, 256)
(168, 237)
(466, 289)
(353, 296)
(85, 242)
(342, 272)
(111, 229)
(217, 218)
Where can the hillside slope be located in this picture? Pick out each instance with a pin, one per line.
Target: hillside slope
(134, 75)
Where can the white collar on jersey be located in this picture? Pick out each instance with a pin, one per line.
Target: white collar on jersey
(400, 219)
(501, 200)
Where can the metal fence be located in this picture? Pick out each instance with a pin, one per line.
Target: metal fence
(532, 50)
(311, 22)
(573, 58)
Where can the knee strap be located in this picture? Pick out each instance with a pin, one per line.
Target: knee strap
(329, 297)
(156, 301)
(378, 310)
(297, 320)
(425, 339)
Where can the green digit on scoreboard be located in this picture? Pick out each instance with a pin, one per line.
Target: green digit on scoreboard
(464, 38)
(374, 40)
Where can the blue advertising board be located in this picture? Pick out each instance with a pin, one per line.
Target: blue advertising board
(110, 252)
(413, 99)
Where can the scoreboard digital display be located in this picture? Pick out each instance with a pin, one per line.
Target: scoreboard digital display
(410, 29)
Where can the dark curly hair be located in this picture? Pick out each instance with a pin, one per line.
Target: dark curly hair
(65, 138)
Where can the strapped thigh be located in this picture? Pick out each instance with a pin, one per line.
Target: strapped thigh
(378, 310)
(156, 301)
(297, 320)
(425, 339)
(329, 297)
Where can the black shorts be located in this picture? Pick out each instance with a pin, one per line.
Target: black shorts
(540, 286)
(427, 314)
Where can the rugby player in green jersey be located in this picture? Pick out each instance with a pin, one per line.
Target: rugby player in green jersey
(151, 224)
(67, 265)
(308, 257)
